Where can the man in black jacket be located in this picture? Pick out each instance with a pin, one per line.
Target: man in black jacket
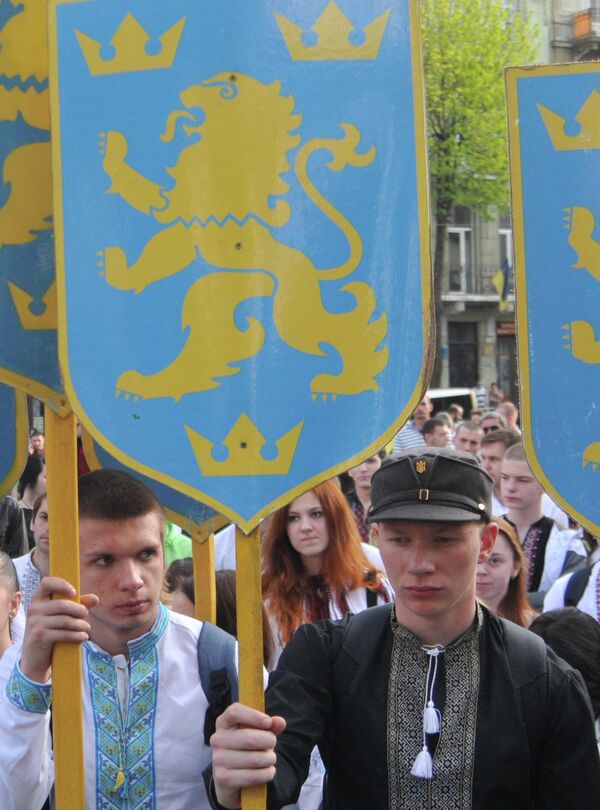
(432, 703)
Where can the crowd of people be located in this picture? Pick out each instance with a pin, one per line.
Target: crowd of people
(396, 602)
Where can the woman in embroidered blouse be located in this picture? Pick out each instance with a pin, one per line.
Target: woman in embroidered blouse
(502, 578)
(313, 564)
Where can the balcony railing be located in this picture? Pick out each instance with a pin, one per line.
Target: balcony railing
(473, 280)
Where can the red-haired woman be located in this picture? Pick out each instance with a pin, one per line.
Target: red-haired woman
(502, 578)
(313, 563)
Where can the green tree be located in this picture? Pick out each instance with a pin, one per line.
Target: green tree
(467, 45)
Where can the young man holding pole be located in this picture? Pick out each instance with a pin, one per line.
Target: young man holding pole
(432, 702)
(143, 703)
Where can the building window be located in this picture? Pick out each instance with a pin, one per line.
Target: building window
(506, 253)
(460, 259)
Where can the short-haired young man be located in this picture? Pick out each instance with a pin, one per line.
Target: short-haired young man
(493, 447)
(433, 702)
(143, 703)
(436, 433)
(468, 438)
(550, 551)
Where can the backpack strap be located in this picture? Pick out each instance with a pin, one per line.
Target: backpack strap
(218, 673)
(527, 654)
(576, 586)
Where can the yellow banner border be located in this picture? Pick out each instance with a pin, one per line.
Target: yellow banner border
(512, 76)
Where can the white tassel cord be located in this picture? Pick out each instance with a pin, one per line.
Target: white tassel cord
(423, 765)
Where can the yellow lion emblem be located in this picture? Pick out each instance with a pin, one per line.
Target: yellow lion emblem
(224, 203)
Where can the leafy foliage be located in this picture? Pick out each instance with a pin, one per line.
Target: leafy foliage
(467, 45)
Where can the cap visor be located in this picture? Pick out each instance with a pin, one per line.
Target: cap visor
(424, 511)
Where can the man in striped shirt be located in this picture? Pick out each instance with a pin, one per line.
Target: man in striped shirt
(410, 436)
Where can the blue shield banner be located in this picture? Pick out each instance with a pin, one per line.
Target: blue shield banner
(242, 237)
(28, 338)
(13, 437)
(554, 119)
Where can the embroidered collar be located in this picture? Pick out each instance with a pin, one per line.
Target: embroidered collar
(139, 646)
(470, 633)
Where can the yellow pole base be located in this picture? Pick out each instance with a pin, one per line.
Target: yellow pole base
(250, 638)
(67, 715)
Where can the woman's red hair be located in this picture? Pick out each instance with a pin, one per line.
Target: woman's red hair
(345, 566)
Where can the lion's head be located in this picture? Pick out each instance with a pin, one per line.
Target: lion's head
(236, 165)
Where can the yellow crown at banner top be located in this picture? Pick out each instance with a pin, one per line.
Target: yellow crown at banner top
(129, 43)
(244, 444)
(588, 119)
(333, 30)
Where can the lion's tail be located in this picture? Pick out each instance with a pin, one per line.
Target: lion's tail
(343, 154)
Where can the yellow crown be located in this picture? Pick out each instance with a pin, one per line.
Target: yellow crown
(588, 119)
(333, 29)
(244, 443)
(130, 42)
(23, 301)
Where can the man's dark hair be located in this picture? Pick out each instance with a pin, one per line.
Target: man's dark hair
(116, 495)
(8, 573)
(468, 425)
(37, 503)
(506, 437)
(180, 574)
(431, 424)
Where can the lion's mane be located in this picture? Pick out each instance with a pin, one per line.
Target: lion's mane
(236, 165)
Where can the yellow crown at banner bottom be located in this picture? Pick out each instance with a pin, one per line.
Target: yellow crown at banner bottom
(29, 320)
(333, 29)
(244, 443)
(129, 43)
(588, 119)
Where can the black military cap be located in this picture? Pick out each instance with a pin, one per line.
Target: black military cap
(434, 484)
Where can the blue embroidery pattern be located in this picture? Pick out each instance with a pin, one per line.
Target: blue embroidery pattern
(26, 694)
(126, 747)
(29, 583)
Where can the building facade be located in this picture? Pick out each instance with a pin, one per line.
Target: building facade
(478, 334)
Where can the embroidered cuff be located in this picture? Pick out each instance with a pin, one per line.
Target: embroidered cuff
(28, 695)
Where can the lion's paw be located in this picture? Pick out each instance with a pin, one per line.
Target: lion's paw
(580, 340)
(113, 262)
(324, 397)
(128, 394)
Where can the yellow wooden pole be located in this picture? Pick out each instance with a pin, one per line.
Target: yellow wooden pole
(67, 716)
(250, 638)
(205, 589)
